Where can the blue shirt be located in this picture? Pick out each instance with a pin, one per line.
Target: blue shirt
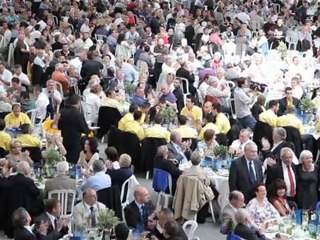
(98, 181)
(138, 100)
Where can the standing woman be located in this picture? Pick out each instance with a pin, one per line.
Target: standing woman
(307, 181)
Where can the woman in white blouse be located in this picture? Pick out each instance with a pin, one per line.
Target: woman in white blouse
(260, 208)
(89, 154)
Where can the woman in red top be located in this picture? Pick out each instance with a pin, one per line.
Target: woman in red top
(278, 197)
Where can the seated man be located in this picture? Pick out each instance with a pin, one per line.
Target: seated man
(179, 150)
(57, 227)
(62, 181)
(196, 171)
(245, 227)
(238, 145)
(134, 126)
(15, 89)
(157, 226)
(16, 117)
(222, 122)
(156, 131)
(119, 176)
(192, 112)
(5, 137)
(270, 116)
(99, 180)
(228, 221)
(184, 130)
(137, 212)
(26, 138)
(111, 101)
(209, 125)
(128, 117)
(85, 213)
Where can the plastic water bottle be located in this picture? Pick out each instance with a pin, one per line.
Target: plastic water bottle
(313, 225)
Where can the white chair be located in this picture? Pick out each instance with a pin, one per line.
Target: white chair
(232, 107)
(57, 50)
(63, 197)
(100, 37)
(293, 40)
(32, 114)
(11, 55)
(56, 21)
(59, 88)
(231, 84)
(87, 111)
(276, 8)
(191, 225)
(185, 89)
(71, 27)
(128, 185)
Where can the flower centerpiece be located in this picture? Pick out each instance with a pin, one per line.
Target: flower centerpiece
(51, 159)
(219, 154)
(106, 222)
(169, 114)
(282, 48)
(307, 108)
(130, 88)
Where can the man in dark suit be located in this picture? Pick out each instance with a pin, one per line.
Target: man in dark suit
(245, 229)
(285, 170)
(21, 219)
(287, 99)
(246, 172)
(72, 124)
(21, 191)
(178, 93)
(162, 162)
(279, 136)
(138, 211)
(57, 227)
(177, 149)
(119, 176)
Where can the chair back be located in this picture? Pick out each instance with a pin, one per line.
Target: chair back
(87, 111)
(161, 180)
(192, 226)
(3, 152)
(233, 236)
(262, 130)
(131, 146)
(107, 117)
(35, 153)
(126, 189)
(3, 114)
(32, 115)
(63, 197)
(294, 136)
(149, 148)
(111, 198)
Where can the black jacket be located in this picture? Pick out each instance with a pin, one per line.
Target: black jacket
(72, 124)
(133, 216)
(239, 177)
(283, 105)
(52, 232)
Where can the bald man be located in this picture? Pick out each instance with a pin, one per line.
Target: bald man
(85, 213)
(138, 211)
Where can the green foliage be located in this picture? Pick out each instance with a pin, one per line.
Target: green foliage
(130, 88)
(220, 151)
(53, 157)
(282, 47)
(306, 104)
(107, 219)
(169, 114)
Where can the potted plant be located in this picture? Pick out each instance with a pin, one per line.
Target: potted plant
(282, 48)
(219, 155)
(169, 115)
(106, 222)
(307, 107)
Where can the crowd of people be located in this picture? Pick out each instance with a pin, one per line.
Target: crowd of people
(232, 73)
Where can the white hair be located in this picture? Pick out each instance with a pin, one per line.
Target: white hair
(303, 154)
(242, 215)
(62, 167)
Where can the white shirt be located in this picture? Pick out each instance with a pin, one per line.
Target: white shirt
(52, 218)
(29, 228)
(56, 94)
(203, 91)
(178, 148)
(95, 101)
(286, 178)
(236, 144)
(6, 77)
(87, 43)
(41, 104)
(23, 78)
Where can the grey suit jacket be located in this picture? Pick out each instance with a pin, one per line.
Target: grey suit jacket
(228, 221)
(59, 183)
(174, 152)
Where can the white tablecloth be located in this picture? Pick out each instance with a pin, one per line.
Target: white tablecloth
(311, 130)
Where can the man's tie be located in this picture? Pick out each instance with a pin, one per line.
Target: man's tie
(55, 224)
(93, 218)
(292, 187)
(251, 174)
(143, 212)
